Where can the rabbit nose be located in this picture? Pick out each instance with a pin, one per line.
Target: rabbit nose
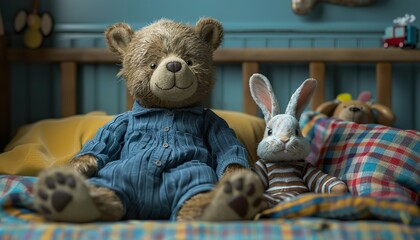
(276, 146)
(284, 139)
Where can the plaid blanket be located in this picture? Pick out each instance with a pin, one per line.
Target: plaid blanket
(346, 207)
(309, 216)
(373, 160)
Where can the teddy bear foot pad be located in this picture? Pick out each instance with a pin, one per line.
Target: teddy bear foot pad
(239, 198)
(61, 194)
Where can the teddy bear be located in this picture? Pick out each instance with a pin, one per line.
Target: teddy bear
(361, 110)
(166, 158)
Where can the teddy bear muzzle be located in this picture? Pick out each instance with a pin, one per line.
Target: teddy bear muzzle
(173, 80)
(355, 113)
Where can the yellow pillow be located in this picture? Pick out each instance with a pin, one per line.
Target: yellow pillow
(249, 130)
(55, 141)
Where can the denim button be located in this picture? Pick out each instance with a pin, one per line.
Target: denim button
(166, 129)
(165, 145)
(158, 163)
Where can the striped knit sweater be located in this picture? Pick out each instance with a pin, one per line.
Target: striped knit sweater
(284, 180)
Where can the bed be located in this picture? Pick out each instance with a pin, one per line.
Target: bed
(380, 164)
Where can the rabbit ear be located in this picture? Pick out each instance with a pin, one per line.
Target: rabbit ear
(301, 98)
(263, 95)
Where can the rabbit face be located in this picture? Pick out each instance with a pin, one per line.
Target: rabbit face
(283, 140)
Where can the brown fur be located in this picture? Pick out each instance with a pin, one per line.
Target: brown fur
(146, 57)
(194, 207)
(150, 45)
(341, 110)
(85, 165)
(118, 36)
(107, 203)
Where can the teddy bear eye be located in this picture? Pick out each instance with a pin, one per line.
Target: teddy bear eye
(269, 132)
(189, 62)
(153, 66)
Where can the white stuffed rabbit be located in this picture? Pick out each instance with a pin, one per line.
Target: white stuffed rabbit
(282, 167)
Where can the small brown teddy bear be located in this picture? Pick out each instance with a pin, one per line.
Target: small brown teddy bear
(359, 111)
(164, 158)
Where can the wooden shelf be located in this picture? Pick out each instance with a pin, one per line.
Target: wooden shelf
(317, 55)
(232, 55)
(249, 59)
(58, 55)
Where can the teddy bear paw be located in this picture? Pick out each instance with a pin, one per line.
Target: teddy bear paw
(85, 165)
(239, 198)
(61, 194)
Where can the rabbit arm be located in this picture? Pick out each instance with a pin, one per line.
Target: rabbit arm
(318, 181)
(261, 170)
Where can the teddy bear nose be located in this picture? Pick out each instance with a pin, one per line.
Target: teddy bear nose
(354, 109)
(173, 66)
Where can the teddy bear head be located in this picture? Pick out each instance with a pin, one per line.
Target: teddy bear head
(167, 64)
(360, 110)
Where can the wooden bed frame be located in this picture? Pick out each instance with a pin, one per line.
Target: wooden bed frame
(316, 58)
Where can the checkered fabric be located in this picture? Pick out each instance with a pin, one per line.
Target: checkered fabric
(308, 217)
(346, 207)
(373, 160)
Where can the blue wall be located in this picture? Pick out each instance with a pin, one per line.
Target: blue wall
(270, 23)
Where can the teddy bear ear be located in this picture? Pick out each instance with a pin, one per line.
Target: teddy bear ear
(327, 108)
(118, 36)
(211, 31)
(385, 114)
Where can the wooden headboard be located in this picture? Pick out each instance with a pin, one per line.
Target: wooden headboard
(316, 58)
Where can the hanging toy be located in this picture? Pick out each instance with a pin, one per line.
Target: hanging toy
(303, 7)
(35, 26)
